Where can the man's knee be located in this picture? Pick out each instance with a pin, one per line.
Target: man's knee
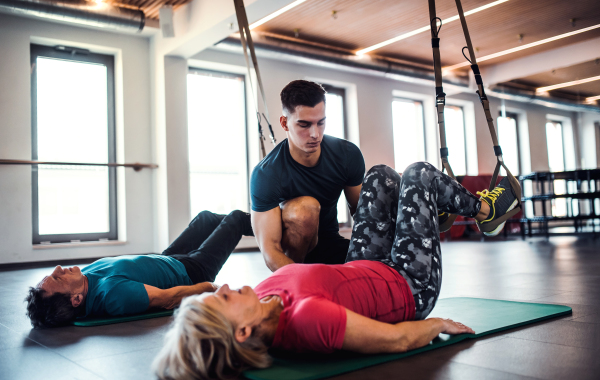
(203, 216)
(205, 220)
(301, 213)
(241, 219)
(238, 215)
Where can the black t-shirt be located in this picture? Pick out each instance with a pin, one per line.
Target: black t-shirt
(278, 178)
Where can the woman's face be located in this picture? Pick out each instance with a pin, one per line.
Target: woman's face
(241, 307)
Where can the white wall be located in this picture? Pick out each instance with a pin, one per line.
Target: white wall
(587, 139)
(133, 130)
(178, 177)
(374, 97)
(149, 133)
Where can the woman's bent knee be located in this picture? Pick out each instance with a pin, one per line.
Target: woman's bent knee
(418, 167)
(381, 172)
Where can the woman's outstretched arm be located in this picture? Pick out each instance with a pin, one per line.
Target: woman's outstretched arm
(368, 336)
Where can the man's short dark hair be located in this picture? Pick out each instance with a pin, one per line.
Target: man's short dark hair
(301, 93)
(49, 311)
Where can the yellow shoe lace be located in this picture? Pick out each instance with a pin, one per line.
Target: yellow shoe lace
(492, 196)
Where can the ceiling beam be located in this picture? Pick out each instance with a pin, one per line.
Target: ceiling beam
(202, 23)
(542, 62)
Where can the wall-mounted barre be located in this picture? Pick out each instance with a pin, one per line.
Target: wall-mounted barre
(136, 166)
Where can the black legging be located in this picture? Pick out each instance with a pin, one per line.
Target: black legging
(205, 245)
(396, 222)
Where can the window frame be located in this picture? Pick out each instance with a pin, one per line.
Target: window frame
(230, 75)
(465, 142)
(340, 91)
(514, 116)
(75, 55)
(423, 126)
(562, 142)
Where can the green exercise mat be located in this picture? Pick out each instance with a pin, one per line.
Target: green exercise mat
(99, 321)
(482, 315)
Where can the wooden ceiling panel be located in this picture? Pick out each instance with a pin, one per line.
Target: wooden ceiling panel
(359, 23)
(568, 74)
(451, 47)
(498, 28)
(583, 70)
(583, 90)
(150, 7)
(362, 23)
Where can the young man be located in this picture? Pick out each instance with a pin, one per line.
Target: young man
(133, 284)
(295, 188)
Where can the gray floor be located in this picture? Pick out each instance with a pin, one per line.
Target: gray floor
(564, 271)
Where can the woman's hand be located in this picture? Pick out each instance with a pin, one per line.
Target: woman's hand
(454, 328)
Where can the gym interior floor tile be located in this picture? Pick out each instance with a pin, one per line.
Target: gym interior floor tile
(563, 271)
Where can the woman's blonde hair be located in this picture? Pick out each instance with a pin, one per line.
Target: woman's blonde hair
(201, 345)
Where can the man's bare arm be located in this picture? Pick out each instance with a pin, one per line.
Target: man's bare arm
(268, 231)
(171, 298)
(352, 194)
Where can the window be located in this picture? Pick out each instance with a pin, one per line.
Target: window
(335, 126)
(508, 138)
(408, 130)
(72, 93)
(454, 119)
(217, 142)
(556, 162)
(554, 139)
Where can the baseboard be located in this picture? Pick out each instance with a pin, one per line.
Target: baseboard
(247, 243)
(48, 263)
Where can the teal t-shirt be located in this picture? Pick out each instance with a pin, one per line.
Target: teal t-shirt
(116, 284)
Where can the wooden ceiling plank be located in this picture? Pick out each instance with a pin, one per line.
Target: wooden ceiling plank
(361, 23)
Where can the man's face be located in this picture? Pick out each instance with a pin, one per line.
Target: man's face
(305, 127)
(62, 280)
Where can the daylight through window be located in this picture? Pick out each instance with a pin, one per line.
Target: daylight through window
(73, 117)
(408, 130)
(456, 139)
(335, 126)
(217, 142)
(556, 162)
(509, 141)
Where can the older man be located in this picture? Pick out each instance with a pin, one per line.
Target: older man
(133, 284)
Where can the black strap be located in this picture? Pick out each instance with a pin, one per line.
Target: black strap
(440, 96)
(247, 44)
(486, 108)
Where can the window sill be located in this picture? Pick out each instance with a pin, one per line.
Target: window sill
(79, 244)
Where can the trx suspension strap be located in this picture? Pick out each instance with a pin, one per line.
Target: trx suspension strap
(440, 100)
(490, 121)
(247, 44)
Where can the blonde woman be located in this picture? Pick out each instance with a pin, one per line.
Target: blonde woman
(375, 303)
